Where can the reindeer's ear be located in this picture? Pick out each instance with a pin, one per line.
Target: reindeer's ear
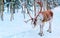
(40, 3)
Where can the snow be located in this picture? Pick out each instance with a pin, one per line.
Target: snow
(19, 29)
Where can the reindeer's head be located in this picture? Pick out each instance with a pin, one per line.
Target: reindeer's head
(33, 19)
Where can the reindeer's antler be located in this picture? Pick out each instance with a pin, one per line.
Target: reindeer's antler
(35, 19)
(30, 17)
(27, 20)
(41, 4)
(29, 13)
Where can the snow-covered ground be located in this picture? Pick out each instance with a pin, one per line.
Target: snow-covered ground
(18, 29)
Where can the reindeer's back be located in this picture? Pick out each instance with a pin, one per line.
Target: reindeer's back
(49, 12)
(47, 15)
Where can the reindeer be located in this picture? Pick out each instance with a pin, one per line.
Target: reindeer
(46, 16)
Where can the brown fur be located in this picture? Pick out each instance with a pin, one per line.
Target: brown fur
(47, 15)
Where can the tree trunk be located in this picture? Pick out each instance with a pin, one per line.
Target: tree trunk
(1, 8)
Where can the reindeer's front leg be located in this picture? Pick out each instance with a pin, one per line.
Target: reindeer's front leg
(41, 29)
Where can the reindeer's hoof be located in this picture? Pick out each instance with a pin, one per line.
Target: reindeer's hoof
(49, 31)
(41, 34)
